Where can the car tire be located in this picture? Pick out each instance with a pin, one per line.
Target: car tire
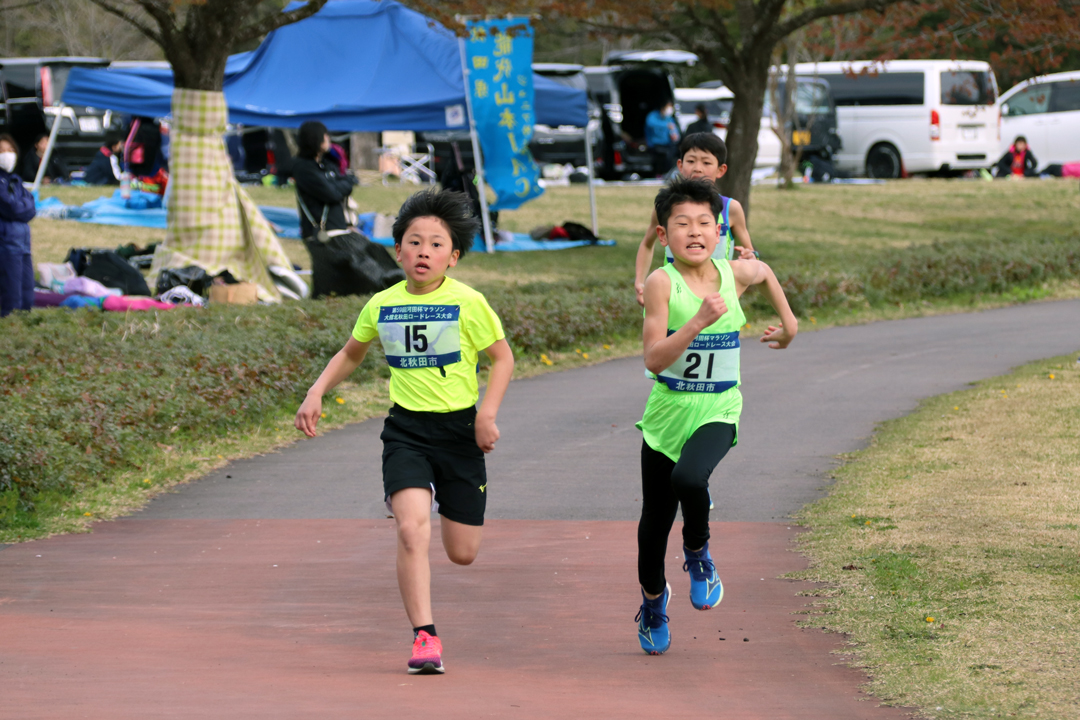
(883, 162)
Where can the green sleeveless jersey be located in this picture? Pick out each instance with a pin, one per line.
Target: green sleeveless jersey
(702, 386)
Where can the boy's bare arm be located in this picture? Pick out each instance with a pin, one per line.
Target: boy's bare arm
(755, 272)
(502, 369)
(340, 367)
(644, 259)
(740, 231)
(661, 349)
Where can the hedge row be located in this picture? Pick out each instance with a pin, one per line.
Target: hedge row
(935, 271)
(85, 396)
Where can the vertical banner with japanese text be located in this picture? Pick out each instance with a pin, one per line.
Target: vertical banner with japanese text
(498, 55)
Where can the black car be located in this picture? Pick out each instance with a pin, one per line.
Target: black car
(565, 144)
(813, 131)
(30, 92)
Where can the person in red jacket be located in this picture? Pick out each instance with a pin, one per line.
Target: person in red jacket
(1018, 161)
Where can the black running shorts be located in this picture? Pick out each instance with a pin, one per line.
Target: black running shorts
(425, 449)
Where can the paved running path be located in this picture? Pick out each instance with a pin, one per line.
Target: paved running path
(271, 594)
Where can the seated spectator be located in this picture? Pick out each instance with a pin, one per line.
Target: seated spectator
(1018, 160)
(142, 149)
(104, 169)
(16, 212)
(1071, 169)
(702, 123)
(53, 173)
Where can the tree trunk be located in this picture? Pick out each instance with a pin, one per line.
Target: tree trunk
(742, 134)
(364, 150)
(199, 49)
(208, 74)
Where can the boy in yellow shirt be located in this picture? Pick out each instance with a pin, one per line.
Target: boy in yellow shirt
(432, 328)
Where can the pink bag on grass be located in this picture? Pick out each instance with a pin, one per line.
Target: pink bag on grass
(124, 303)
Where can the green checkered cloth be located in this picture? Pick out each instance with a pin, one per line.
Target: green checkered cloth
(212, 222)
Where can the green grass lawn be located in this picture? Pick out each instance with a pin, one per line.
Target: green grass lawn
(951, 550)
(815, 228)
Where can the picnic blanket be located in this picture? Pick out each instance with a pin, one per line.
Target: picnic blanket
(285, 222)
(211, 220)
(141, 210)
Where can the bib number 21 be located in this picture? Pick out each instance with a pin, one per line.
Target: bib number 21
(709, 365)
(693, 362)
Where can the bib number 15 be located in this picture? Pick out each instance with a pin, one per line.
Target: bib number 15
(415, 338)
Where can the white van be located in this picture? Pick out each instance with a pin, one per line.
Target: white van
(912, 116)
(1046, 111)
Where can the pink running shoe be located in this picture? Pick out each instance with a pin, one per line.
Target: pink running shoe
(426, 655)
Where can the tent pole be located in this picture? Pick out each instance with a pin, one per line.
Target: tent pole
(485, 216)
(592, 191)
(48, 148)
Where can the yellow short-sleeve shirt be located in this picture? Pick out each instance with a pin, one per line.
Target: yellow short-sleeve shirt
(431, 343)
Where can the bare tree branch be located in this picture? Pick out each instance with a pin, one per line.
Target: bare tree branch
(785, 28)
(123, 14)
(723, 37)
(768, 13)
(269, 24)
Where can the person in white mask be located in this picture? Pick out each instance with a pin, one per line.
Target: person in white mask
(16, 212)
(662, 137)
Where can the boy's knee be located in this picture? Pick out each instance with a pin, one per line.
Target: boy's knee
(684, 479)
(414, 534)
(462, 556)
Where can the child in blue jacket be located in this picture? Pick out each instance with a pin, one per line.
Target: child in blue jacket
(16, 212)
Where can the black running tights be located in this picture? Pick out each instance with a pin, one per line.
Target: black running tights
(664, 486)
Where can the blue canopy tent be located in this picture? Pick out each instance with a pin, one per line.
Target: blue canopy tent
(356, 65)
(147, 91)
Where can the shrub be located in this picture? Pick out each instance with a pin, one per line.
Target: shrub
(87, 395)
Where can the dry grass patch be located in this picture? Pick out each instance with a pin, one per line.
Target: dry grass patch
(952, 546)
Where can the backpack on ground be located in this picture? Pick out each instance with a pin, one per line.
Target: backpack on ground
(113, 271)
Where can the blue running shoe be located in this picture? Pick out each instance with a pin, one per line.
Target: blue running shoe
(706, 590)
(652, 622)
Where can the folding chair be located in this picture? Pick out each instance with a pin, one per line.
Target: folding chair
(414, 166)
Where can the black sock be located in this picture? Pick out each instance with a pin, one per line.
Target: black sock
(429, 629)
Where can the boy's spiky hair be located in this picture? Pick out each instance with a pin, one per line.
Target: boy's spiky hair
(684, 190)
(453, 208)
(706, 142)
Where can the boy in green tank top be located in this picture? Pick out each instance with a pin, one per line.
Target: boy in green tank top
(691, 341)
(431, 328)
(701, 155)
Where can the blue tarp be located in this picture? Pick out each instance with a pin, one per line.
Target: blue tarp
(356, 65)
(114, 210)
(146, 210)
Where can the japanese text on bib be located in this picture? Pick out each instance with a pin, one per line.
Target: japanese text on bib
(709, 365)
(420, 336)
